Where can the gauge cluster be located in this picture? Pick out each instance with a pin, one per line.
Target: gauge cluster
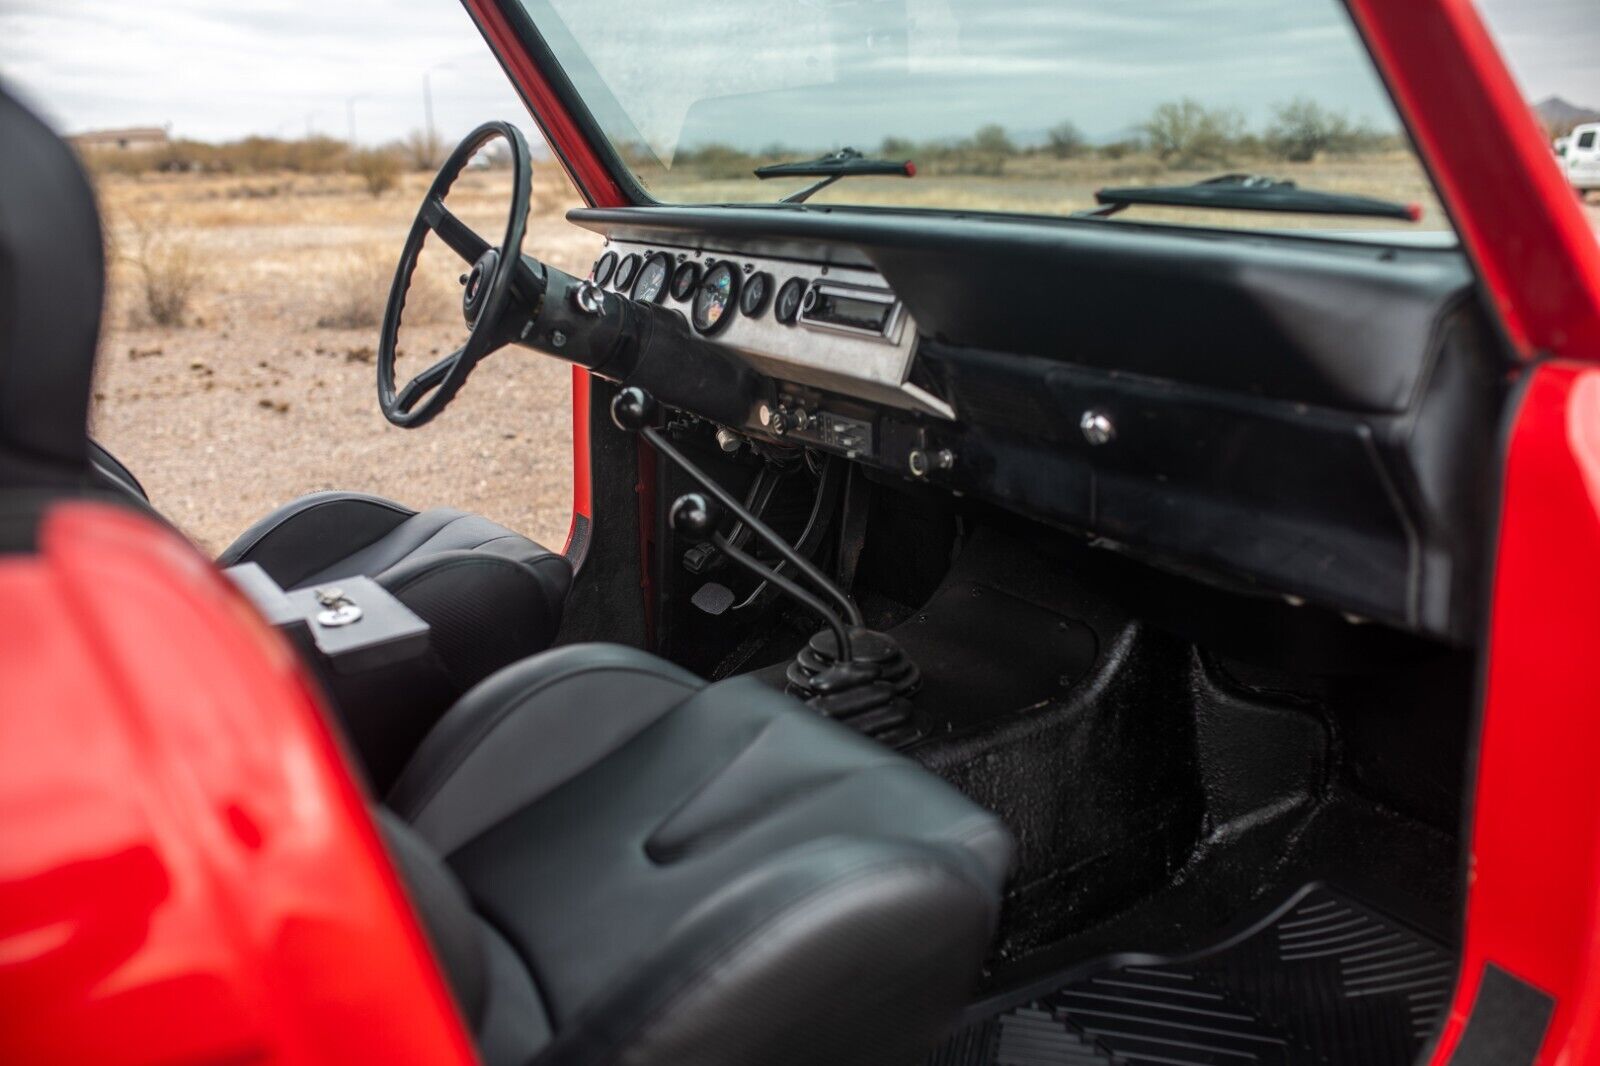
(827, 326)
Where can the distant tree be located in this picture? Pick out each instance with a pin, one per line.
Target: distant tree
(1066, 141)
(1186, 133)
(1303, 129)
(379, 170)
(993, 140)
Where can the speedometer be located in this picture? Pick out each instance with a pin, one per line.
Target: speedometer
(651, 284)
(714, 300)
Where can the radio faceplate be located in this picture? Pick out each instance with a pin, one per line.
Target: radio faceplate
(852, 309)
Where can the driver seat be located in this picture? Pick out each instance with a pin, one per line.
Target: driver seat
(490, 597)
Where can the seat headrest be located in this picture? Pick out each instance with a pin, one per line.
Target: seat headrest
(52, 282)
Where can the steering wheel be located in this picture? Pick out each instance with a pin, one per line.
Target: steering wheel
(486, 286)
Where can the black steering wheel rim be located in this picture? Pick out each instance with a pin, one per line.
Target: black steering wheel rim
(484, 298)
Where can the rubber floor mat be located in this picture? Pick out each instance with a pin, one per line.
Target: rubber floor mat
(1324, 979)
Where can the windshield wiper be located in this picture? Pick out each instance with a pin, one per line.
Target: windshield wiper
(846, 162)
(1248, 192)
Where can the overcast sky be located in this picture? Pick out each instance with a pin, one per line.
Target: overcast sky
(219, 69)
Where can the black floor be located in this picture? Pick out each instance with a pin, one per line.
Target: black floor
(1320, 977)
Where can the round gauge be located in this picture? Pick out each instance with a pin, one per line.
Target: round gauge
(684, 280)
(604, 268)
(714, 300)
(651, 284)
(757, 291)
(625, 272)
(789, 297)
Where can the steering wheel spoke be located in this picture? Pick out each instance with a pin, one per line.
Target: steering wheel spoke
(426, 381)
(454, 232)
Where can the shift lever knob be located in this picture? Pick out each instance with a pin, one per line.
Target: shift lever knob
(633, 409)
(694, 515)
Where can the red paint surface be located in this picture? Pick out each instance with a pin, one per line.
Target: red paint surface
(1535, 857)
(187, 872)
(582, 475)
(1515, 212)
(579, 158)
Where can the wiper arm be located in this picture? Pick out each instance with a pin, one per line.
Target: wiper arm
(844, 163)
(1247, 192)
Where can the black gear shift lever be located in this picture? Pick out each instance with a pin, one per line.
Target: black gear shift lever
(861, 676)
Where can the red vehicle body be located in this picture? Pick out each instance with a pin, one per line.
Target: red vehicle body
(179, 884)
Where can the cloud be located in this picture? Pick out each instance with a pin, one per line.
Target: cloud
(804, 72)
(223, 70)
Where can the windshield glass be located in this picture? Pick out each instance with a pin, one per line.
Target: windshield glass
(1002, 105)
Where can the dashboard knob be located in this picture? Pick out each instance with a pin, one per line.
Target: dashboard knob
(633, 409)
(780, 422)
(693, 515)
(1097, 427)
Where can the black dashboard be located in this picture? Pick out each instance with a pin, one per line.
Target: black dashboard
(1304, 418)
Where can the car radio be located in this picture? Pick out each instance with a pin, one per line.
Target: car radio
(830, 305)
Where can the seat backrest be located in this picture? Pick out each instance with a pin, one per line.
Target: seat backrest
(52, 284)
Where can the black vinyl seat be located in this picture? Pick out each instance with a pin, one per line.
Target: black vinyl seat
(418, 556)
(622, 864)
(490, 596)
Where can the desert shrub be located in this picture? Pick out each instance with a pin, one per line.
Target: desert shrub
(1066, 141)
(423, 149)
(353, 296)
(1303, 129)
(379, 170)
(715, 161)
(1120, 149)
(1186, 133)
(169, 270)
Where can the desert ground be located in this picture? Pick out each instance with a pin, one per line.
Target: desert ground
(261, 387)
(265, 389)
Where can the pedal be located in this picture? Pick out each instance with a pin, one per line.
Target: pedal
(712, 598)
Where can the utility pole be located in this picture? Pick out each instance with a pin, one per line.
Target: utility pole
(350, 115)
(427, 108)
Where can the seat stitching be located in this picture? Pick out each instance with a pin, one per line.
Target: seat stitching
(463, 750)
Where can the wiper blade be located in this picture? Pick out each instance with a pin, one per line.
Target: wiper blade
(846, 162)
(1248, 192)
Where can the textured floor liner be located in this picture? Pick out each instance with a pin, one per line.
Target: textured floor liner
(1323, 979)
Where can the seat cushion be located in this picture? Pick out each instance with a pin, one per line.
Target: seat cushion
(708, 874)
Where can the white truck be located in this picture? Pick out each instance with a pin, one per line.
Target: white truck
(1580, 157)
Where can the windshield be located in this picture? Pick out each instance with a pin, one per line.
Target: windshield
(1002, 105)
